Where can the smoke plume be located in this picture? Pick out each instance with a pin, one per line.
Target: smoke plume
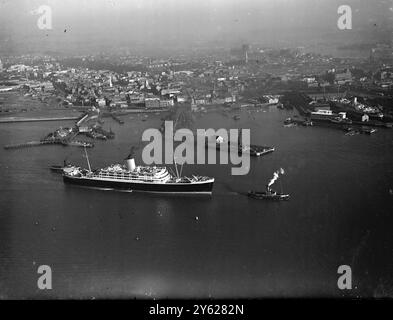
(276, 175)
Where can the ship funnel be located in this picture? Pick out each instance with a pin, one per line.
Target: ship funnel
(130, 164)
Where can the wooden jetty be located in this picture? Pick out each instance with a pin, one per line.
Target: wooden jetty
(74, 143)
(29, 144)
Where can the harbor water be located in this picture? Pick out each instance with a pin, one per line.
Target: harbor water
(109, 244)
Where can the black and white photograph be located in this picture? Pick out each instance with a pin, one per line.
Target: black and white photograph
(185, 150)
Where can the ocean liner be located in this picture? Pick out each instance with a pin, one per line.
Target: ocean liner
(129, 177)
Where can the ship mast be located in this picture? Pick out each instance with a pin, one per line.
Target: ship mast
(177, 171)
(181, 169)
(87, 158)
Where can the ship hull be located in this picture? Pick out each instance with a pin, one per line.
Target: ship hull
(203, 187)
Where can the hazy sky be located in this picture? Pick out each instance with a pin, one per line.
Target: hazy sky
(102, 24)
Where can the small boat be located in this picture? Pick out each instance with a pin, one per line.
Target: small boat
(59, 168)
(236, 117)
(307, 123)
(368, 130)
(289, 122)
(269, 194)
(352, 133)
(338, 120)
(348, 128)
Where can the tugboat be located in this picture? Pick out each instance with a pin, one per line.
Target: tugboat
(270, 194)
(60, 168)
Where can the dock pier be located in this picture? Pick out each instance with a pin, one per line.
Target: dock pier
(63, 142)
(29, 144)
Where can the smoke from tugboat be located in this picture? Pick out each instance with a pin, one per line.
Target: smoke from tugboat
(276, 175)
